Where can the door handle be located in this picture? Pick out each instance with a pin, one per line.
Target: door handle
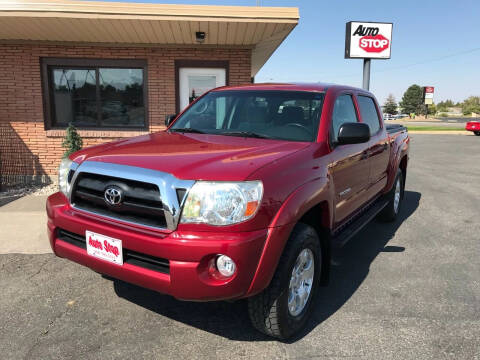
(365, 154)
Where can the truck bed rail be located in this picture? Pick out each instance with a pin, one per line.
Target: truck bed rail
(393, 128)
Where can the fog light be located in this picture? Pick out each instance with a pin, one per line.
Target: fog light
(226, 266)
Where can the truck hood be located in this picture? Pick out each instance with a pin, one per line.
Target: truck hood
(193, 156)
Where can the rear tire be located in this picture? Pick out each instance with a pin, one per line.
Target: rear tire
(283, 308)
(395, 197)
(477, 133)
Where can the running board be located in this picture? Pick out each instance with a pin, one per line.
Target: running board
(341, 238)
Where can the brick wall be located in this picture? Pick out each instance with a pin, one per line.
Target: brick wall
(27, 149)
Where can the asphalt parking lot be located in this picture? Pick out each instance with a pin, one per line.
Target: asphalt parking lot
(407, 290)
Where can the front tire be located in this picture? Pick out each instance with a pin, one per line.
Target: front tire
(477, 133)
(395, 197)
(283, 308)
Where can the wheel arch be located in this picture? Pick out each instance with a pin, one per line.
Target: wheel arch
(311, 217)
(403, 167)
(398, 160)
(310, 203)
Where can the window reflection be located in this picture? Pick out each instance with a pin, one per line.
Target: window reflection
(74, 97)
(115, 99)
(121, 94)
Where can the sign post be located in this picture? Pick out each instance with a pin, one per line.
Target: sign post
(366, 73)
(368, 40)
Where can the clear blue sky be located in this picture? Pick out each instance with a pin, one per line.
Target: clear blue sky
(435, 33)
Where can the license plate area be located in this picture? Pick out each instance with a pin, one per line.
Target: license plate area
(104, 247)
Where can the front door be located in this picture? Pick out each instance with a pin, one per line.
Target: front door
(194, 82)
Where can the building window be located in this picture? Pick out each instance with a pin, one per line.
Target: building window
(105, 94)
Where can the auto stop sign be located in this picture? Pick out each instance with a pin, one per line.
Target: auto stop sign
(368, 40)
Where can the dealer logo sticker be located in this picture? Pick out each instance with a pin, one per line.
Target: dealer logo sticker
(104, 247)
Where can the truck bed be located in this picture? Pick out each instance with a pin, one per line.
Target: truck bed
(394, 128)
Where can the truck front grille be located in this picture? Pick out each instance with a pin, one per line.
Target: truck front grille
(129, 256)
(141, 202)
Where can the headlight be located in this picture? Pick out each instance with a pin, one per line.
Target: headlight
(63, 170)
(222, 203)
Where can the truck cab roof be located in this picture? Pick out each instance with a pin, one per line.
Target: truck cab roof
(294, 86)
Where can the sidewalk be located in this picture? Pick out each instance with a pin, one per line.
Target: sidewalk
(23, 226)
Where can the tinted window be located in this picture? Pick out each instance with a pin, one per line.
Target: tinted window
(121, 97)
(368, 110)
(286, 115)
(74, 97)
(96, 96)
(343, 112)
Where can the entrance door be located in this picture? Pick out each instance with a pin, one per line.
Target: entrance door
(194, 82)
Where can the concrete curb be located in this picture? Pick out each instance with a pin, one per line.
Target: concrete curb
(441, 132)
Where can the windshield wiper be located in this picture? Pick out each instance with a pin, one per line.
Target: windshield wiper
(187, 130)
(245, 134)
(227, 133)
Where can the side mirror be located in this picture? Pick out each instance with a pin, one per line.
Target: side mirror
(169, 119)
(353, 133)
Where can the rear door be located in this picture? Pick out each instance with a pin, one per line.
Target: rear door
(379, 152)
(349, 167)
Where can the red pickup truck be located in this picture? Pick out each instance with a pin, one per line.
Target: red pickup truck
(244, 195)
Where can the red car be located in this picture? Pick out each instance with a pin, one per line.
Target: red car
(473, 126)
(243, 196)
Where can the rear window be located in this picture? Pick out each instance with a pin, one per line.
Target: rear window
(368, 110)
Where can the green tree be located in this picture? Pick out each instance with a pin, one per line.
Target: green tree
(412, 100)
(443, 106)
(390, 105)
(72, 141)
(472, 104)
(447, 103)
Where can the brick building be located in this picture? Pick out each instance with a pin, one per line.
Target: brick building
(116, 70)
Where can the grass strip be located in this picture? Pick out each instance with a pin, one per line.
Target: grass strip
(434, 128)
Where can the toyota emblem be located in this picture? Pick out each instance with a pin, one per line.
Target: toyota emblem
(113, 195)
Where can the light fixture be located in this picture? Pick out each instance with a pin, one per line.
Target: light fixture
(226, 266)
(200, 36)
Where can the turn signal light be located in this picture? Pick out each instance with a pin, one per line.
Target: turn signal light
(251, 208)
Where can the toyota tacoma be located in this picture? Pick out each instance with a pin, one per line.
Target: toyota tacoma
(244, 195)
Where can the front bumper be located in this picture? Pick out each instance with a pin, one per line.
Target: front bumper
(188, 254)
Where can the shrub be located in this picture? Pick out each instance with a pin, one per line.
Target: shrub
(443, 115)
(72, 141)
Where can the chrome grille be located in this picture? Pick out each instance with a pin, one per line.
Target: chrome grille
(150, 198)
(141, 202)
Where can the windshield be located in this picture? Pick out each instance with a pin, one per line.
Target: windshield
(285, 115)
